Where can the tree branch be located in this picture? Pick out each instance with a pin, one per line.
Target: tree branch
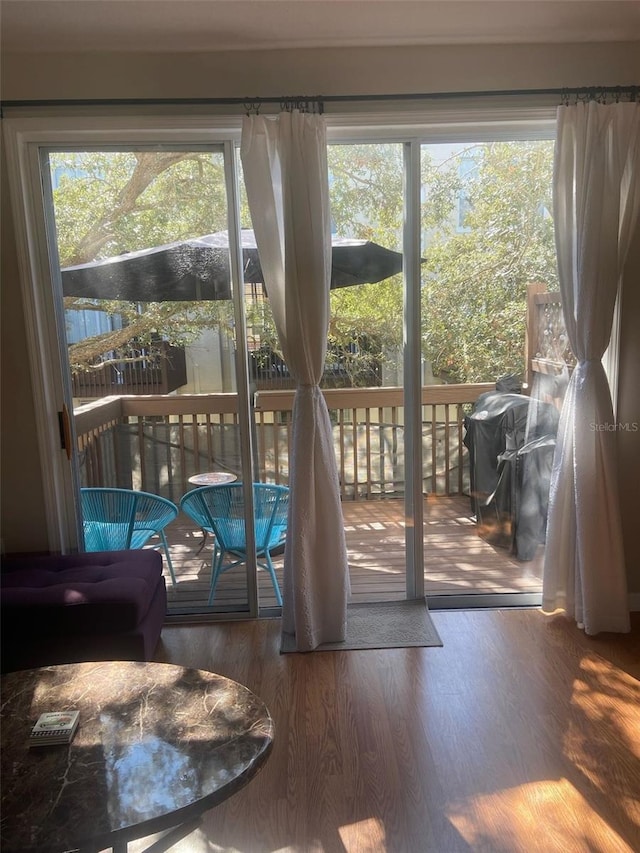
(149, 165)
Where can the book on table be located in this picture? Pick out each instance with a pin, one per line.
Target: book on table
(54, 727)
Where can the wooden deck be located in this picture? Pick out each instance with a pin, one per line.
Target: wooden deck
(457, 559)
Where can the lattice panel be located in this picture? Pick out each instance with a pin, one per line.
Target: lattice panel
(552, 341)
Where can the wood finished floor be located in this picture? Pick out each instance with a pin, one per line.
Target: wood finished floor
(457, 559)
(520, 735)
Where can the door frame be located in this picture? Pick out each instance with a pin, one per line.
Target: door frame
(28, 141)
(413, 129)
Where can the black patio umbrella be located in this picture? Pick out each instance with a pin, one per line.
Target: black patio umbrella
(198, 269)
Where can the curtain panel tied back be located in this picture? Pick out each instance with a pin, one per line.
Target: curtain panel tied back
(596, 202)
(285, 169)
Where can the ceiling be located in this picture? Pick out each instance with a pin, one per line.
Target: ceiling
(217, 25)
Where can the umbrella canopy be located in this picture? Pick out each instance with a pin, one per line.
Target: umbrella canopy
(198, 269)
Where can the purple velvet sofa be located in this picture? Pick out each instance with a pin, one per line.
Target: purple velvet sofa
(106, 605)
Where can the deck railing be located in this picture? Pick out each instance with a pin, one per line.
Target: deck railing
(156, 443)
(159, 369)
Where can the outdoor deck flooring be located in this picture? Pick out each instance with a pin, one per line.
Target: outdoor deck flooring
(457, 559)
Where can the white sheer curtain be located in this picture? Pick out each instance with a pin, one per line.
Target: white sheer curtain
(596, 201)
(285, 169)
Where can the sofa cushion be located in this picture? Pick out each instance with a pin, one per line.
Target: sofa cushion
(97, 593)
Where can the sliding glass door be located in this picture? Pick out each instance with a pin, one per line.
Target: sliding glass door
(172, 367)
(154, 339)
(494, 365)
(363, 377)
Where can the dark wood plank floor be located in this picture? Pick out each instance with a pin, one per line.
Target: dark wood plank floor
(457, 559)
(520, 735)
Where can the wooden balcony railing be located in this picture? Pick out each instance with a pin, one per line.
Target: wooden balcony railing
(157, 370)
(156, 443)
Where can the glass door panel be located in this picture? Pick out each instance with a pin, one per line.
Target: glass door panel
(363, 377)
(491, 417)
(143, 249)
(363, 373)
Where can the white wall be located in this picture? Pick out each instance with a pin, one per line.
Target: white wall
(629, 413)
(210, 366)
(22, 505)
(435, 68)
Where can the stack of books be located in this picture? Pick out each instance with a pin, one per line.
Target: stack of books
(54, 727)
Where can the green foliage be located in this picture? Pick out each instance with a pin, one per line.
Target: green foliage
(110, 202)
(477, 262)
(367, 204)
(486, 224)
(474, 280)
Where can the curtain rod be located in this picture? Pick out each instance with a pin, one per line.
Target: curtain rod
(582, 93)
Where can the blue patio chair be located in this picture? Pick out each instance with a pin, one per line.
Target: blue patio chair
(220, 510)
(116, 519)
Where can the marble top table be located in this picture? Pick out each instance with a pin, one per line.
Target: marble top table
(213, 478)
(156, 746)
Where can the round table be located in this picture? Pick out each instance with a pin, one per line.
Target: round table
(213, 478)
(156, 746)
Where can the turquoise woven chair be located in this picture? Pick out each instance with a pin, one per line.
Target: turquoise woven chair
(119, 519)
(220, 510)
